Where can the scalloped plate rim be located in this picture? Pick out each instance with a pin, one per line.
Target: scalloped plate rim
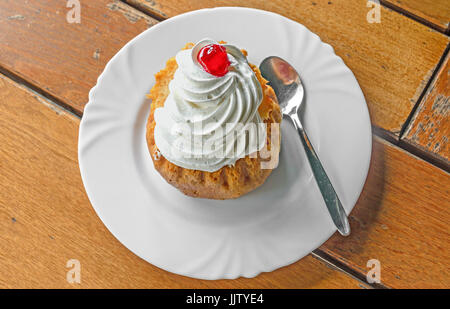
(92, 94)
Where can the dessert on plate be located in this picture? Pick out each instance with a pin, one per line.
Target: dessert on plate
(213, 129)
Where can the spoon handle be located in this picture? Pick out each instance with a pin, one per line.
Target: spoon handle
(330, 197)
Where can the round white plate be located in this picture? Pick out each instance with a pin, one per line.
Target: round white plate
(271, 227)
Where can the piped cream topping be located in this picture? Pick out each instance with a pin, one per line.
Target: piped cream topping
(209, 122)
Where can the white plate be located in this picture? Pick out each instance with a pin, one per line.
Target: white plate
(271, 227)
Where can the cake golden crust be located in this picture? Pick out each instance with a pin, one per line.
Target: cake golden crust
(229, 181)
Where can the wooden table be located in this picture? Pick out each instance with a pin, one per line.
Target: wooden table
(48, 65)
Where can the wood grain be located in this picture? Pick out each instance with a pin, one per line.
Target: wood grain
(46, 218)
(401, 219)
(39, 45)
(392, 60)
(434, 12)
(429, 129)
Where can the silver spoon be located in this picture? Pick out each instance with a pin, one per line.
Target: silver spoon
(288, 87)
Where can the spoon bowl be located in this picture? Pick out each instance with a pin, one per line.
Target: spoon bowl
(286, 83)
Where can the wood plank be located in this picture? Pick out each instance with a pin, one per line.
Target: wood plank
(429, 129)
(433, 12)
(392, 60)
(64, 59)
(401, 219)
(46, 218)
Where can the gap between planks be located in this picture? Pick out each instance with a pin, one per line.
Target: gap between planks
(414, 17)
(40, 92)
(140, 9)
(426, 156)
(424, 91)
(398, 140)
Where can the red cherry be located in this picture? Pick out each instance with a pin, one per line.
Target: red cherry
(214, 59)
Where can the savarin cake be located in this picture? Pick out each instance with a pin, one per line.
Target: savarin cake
(213, 129)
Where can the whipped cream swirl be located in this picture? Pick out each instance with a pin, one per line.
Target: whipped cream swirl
(209, 122)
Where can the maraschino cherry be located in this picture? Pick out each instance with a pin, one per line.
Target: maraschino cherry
(214, 59)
